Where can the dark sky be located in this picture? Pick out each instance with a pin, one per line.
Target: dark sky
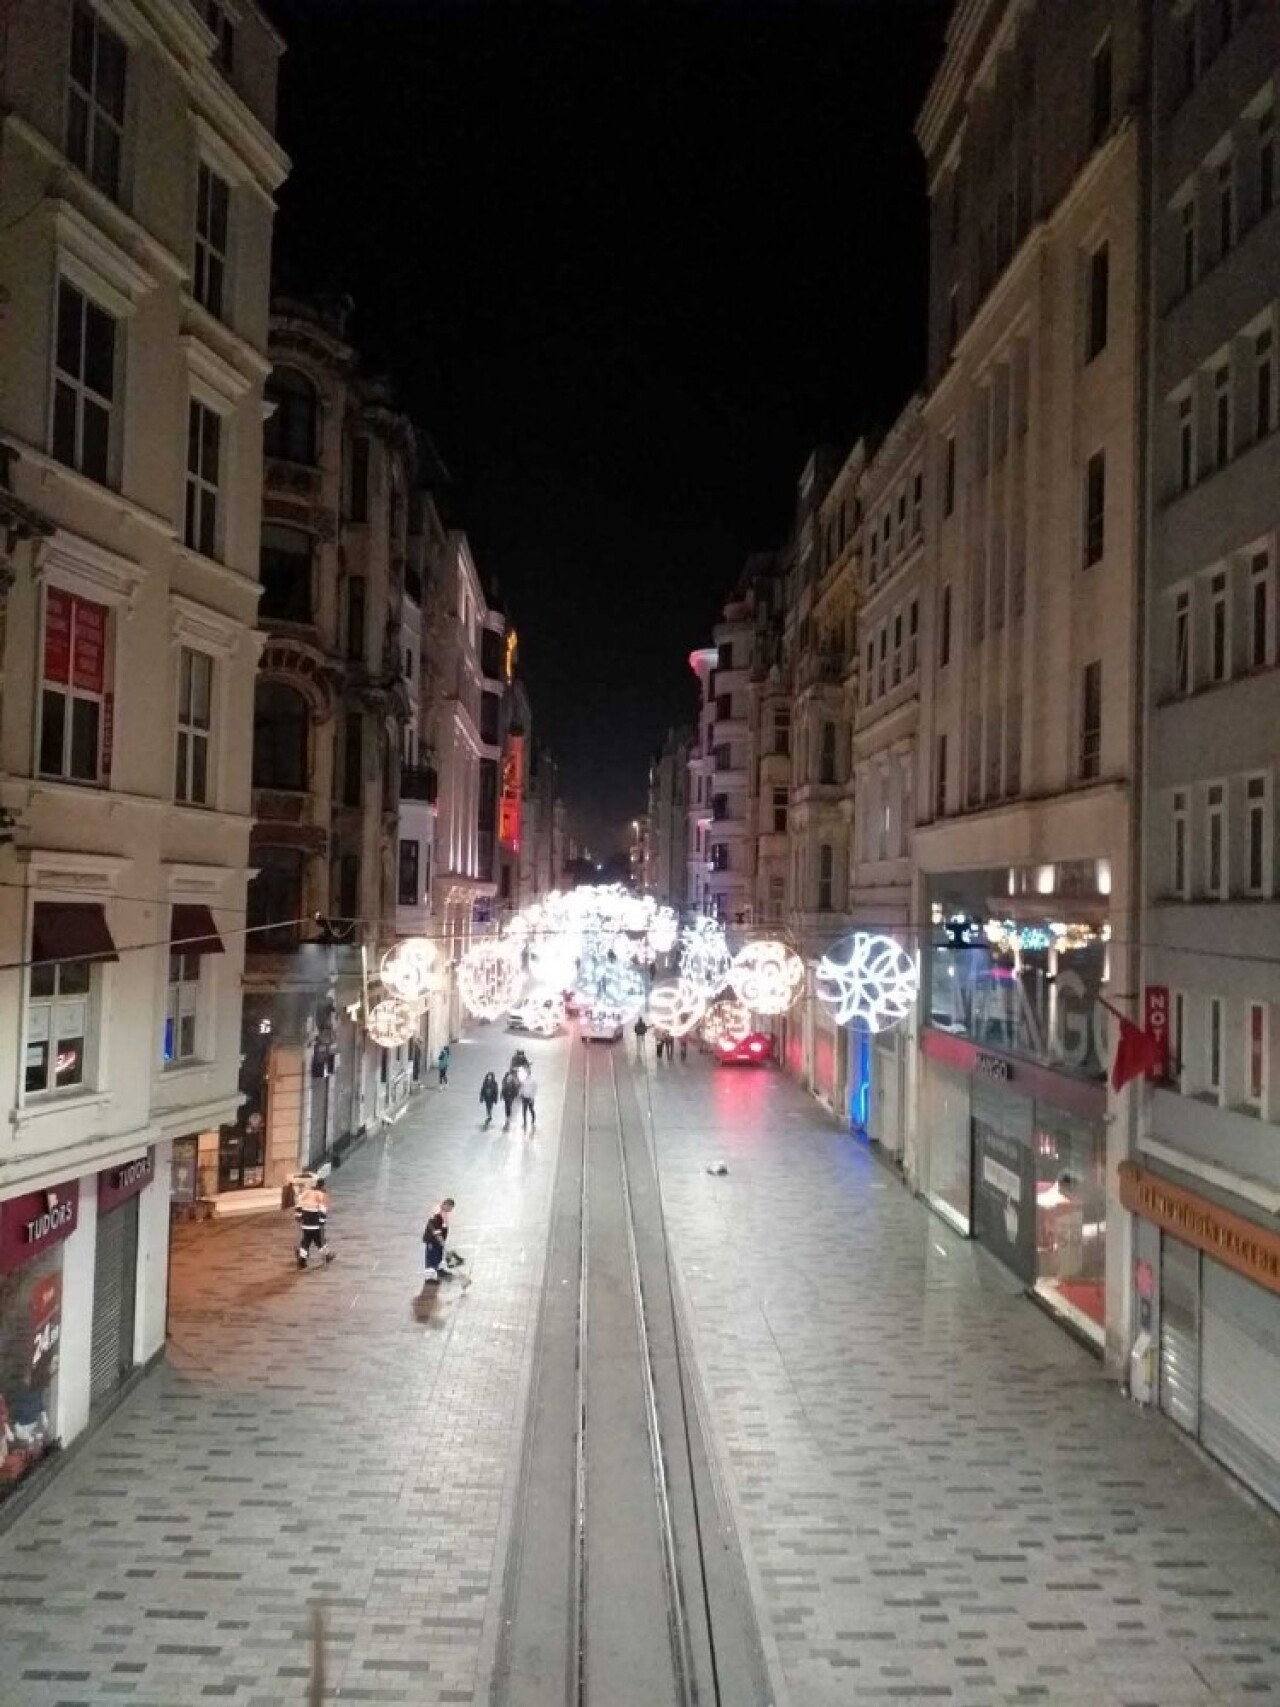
(626, 263)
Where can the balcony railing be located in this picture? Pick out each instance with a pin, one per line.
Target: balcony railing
(418, 782)
(820, 667)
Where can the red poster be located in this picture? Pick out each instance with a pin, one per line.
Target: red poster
(1155, 1023)
(46, 1328)
(90, 646)
(57, 636)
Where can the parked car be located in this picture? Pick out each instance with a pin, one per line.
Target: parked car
(601, 1025)
(753, 1050)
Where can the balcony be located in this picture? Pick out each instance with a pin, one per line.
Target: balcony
(418, 782)
(818, 667)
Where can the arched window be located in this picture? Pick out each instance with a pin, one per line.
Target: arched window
(280, 721)
(290, 433)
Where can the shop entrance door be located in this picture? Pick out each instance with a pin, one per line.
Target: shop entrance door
(1240, 1392)
(1004, 1178)
(115, 1277)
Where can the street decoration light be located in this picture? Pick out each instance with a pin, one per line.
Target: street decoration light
(409, 968)
(676, 1005)
(704, 956)
(541, 1011)
(490, 978)
(726, 1021)
(392, 1022)
(767, 976)
(872, 986)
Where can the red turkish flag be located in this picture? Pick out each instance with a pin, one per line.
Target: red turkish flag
(1138, 1053)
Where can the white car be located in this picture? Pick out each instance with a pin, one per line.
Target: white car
(601, 1025)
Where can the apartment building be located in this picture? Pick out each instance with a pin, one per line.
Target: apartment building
(892, 511)
(667, 838)
(1028, 690)
(721, 880)
(1206, 1188)
(542, 850)
(138, 171)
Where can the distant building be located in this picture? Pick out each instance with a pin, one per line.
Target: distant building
(666, 873)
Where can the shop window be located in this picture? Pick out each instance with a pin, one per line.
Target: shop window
(213, 209)
(96, 99)
(1071, 1217)
(30, 1340)
(280, 729)
(75, 697)
(84, 385)
(195, 715)
(290, 431)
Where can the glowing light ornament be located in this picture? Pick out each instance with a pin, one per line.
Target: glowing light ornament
(624, 988)
(767, 976)
(409, 969)
(490, 979)
(676, 1005)
(664, 929)
(726, 1021)
(541, 1011)
(392, 1022)
(873, 987)
(704, 956)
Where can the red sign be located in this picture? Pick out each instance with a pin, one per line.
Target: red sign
(118, 1185)
(1144, 1278)
(36, 1222)
(46, 1328)
(1155, 1022)
(57, 636)
(89, 648)
(509, 806)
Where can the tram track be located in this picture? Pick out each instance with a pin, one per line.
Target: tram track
(623, 1583)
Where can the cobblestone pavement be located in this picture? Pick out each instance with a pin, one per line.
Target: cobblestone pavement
(940, 1496)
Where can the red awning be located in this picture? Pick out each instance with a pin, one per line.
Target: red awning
(70, 930)
(192, 931)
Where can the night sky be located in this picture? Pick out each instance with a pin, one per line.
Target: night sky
(626, 263)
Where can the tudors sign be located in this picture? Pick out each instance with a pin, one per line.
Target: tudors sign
(117, 1185)
(1251, 1250)
(35, 1222)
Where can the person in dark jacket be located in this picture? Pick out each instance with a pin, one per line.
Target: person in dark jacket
(313, 1217)
(435, 1236)
(489, 1097)
(442, 1066)
(510, 1091)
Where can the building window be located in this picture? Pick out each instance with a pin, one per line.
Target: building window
(944, 628)
(352, 759)
(355, 617)
(870, 673)
(407, 890)
(724, 655)
(182, 1008)
(74, 696)
(826, 875)
(280, 727)
(274, 901)
(875, 553)
(360, 480)
(1182, 642)
(285, 573)
(1190, 244)
(940, 780)
(1267, 161)
(913, 636)
(882, 669)
(218, 20)
(1177, 1035)
(782, 729)
(827, 756)
(1219, 638)
(897, 648)
(290, 431)
(1091, 721)
(95, 99)
(1255, 1076)
(953, 318)
(213, 203)
(1215, 842)
(1264, 384)
(1213, 1048)
(1222, 415)
(1100, 92)
(1186, 442)
(1099, 290)
(1179, 875)
(195, 716)
(949, 476)
(1095, 503)
(1190, 28)
(917, 506)
(83, 384)
(59, 1022)
(1226, 206)
(204, 448)
(779, 810)
(1261, 612)
(1257, 805)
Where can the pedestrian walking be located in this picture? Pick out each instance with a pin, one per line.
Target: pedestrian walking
(435, 1236)
(640, 1029)
(313, 1219)
(510, 1091)
(489, 1097)
(519, 1062)
(671, 1047)
(528, 1098)
(684, 1046)
(442, 1066)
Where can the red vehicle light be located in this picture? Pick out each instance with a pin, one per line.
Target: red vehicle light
(755, 1046)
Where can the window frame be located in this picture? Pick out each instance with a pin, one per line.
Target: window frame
(1090, 749)
(96, 113)
(72, 693)
(1180, 845)
(1101, 91)
(1262, 590)
(1258, 821)
(1264, 383)
(85, 395)
(1097, 301)
(1094, 517)
(1217, 887)
(90, 1000)
(1189, 243)
(1224, 178)
(203, 518)
(1214, 1039)
(190, 735)
(176, 1010)
(1257, 1051)
(1187, 469)
(1183, 678)
(414, 899)
(1223, 415)
(1219, 627)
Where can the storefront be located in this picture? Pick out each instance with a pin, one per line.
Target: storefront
(115, 1274)
(1016, 1157)
(1208, 1284)
(33, 1231)
(886, 1099)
